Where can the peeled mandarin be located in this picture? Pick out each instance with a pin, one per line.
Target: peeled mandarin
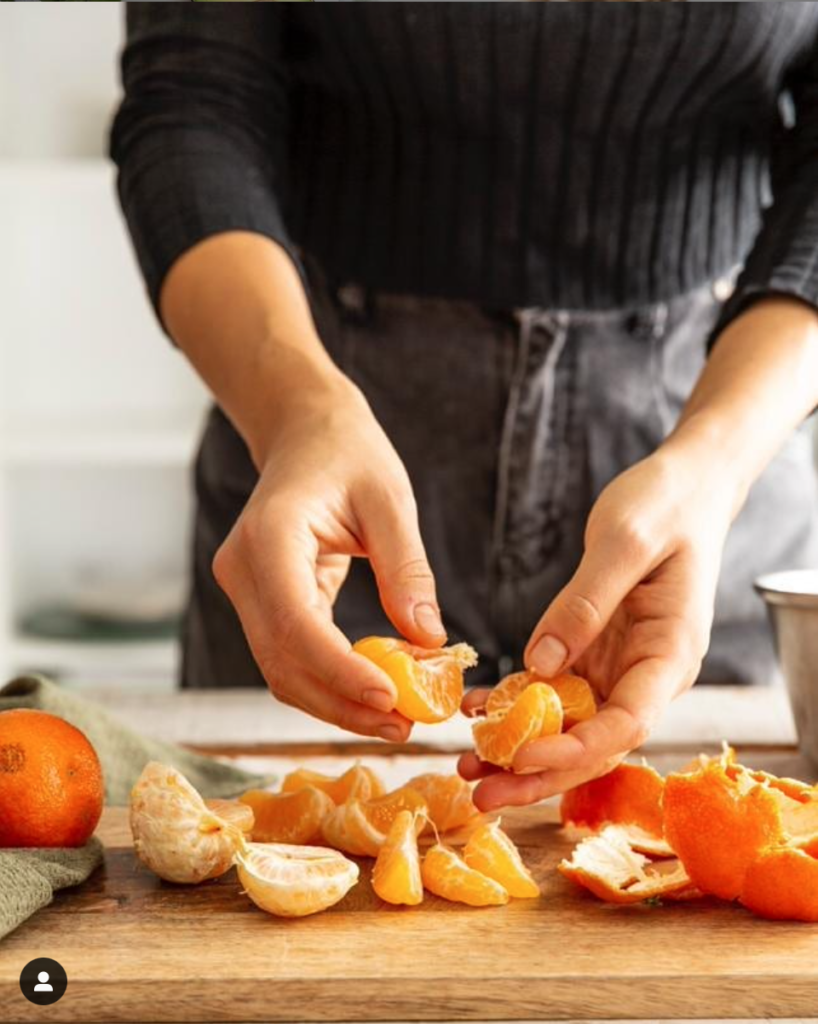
(293, 881)
(536, 712)
(490, 851)
(396, 875)
(288, 817)
(176, 834)
(429, 681)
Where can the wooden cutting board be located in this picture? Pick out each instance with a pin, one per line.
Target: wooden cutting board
(137, 949)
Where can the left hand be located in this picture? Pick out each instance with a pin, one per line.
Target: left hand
(634, 621)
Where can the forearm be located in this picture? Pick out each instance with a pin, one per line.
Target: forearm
(760, 382)
(236, 307)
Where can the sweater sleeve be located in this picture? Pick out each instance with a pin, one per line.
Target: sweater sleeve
(784, 257)
(200, 136)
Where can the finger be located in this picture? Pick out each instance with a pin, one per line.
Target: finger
(582, 609)
(398, 558)
(310, 695)
(622, 724)
(509, 790)
(471, 767)
(284, 616)
(474, 701)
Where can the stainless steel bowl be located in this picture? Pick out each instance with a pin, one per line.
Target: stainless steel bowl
(792, 604)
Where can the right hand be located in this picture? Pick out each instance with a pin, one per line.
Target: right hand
(331, 487)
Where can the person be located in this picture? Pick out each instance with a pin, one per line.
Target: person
(462, 281)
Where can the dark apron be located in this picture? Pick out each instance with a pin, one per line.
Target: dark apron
(509, 424)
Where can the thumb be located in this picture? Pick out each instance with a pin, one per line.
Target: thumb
(402, 571)
(580, 611)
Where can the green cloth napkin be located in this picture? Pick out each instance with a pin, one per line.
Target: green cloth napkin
(29, 878)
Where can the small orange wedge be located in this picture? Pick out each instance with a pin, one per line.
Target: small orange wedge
(608, 866)
(361, 827)
(534, 713)
(429, 681)
(448, 799)
(396, 875)
(357, 783)
(575, 694)
(288, 817)
(293, 881)
(490, 851)
(447, 875)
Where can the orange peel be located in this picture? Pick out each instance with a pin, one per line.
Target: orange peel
(630, 795)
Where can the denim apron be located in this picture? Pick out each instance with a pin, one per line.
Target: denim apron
(510, 423)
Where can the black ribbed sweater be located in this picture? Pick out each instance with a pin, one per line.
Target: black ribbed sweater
(584, 155)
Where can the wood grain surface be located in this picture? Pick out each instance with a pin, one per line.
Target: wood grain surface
(138, 949)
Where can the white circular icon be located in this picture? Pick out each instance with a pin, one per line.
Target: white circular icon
(42, 977)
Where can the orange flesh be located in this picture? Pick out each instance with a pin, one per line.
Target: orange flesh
(490, 851)
(575, 694)
(357, 782)
(288, 817)
(448, 801)
(536, 712)
(447, 875)
(396, 876)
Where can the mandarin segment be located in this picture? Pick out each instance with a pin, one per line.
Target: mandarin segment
(288, 817)
(536, 712)
(356, 783)
(448, 801)
(628, 795)
(491, 852)
(294, 881)
(234, 812)
(608, 866)
(575, 694)
(719, 825)
(445, 874)
(396, 876)
(360, 827)
(175, 834)
(429, 682)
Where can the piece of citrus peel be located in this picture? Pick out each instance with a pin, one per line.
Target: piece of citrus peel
(429, 681)
(525, 707)
(183, 838)
(736, 834)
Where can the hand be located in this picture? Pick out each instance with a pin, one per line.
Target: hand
(634, 621)
(331, 487)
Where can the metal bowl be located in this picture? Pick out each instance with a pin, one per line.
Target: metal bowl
(792, 605)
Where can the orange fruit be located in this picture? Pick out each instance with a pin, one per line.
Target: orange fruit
(176, 834)
(288, 817)
(449, 803)
(51, 786)
(534, 713)
(357, 782)
(447, 875)
(233, 812)
(360, 827)
(490, 851)
(429, 681)
(629, 795)
(575, 694)
(293, 881)
(718, 825)
(782, 884)
(396, 874)
(611, 869)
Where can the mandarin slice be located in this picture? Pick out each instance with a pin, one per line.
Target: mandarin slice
(356, 783)
(609, 867)
(448, 800)
(534, 713)
(288, 817)
(719, 825)
(447, 875)
(360, 827)
(234, 812)
(782, 885)
(575, 694)
(175, 833)
(429, 682)
(293, 881)
(491, 852)
(629, 795)
(396, 874)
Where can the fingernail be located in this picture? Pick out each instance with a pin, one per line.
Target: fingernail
(379, 699)
(427, 618)
(390, 733)
(548, 656)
